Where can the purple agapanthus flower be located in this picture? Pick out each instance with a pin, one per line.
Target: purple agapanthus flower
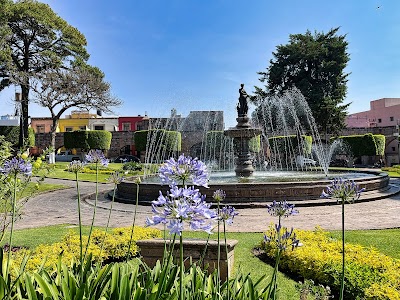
(76, 166)
(227, 213)
(185, 170)
(96, 156)
(179, 206)
(15, 166)
(343, 190)
(282, 238)
(281, 209)
(116, 178)
(219, 195)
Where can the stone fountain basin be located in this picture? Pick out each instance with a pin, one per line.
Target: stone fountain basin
(255, 192)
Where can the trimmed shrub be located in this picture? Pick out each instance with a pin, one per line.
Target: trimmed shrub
(94, 139)
(255, 144)
(169, 140)
(31, 137)
(115, 248)
(99, 139)
(369, 274)
(380, 142)
(218, 142)
(368, 144)
(283, 144)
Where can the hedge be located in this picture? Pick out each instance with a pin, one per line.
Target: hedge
(369, 274)
(11, 134)
(170, 140)
(282, 143)
(218, 141)
(93, 139)
(368, 144)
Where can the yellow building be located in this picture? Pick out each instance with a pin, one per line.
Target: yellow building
(78, 120)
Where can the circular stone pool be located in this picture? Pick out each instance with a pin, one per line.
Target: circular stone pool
(264, 187)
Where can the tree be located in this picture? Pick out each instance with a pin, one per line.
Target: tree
(314, 64)
(81, 86)
(36, 39)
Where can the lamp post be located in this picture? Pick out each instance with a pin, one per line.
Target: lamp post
(398, 142)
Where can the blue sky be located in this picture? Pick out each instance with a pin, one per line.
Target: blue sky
(193, 55)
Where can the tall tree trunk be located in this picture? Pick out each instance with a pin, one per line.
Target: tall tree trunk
(24, 118)
(52, 154)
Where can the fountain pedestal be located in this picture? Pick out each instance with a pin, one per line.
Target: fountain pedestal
(242, 133)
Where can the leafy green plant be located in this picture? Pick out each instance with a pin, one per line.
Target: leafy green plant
(281, 144)
(93, 139)
(168, 140)
(132, 166)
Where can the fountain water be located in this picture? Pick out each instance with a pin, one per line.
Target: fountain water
(275, 145)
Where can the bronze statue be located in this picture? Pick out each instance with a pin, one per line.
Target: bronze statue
(242, 106)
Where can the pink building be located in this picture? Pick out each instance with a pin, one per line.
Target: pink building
(383, 113)
(41, 125)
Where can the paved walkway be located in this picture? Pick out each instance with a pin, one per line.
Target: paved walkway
(60, 207)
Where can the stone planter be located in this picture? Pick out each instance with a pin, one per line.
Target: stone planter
(153, 249)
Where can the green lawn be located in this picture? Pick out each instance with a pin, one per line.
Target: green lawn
(393, 174)
(31, 190)
(387, 241)
(59, 171)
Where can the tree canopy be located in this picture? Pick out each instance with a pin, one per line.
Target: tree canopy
(36, 39)
(80, 86)
(314, 64)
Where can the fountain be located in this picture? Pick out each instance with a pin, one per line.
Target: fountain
(252, 177)
(241, 134)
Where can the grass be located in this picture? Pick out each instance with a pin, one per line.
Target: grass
(393, 174)
(59, 171)
(387, 241)
(32, 190)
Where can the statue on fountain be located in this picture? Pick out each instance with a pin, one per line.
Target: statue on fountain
(242, 106)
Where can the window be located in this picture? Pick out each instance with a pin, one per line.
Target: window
(391, 119)
(68, 129)
(82, 127)
(126, 126)
(379, 120)
(98, 127)
(393, 149)
(40, 128)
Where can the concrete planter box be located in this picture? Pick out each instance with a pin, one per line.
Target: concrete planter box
(153, 250)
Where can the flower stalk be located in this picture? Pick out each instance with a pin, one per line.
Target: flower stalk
(281, 238)
(343, 190)
(138, 181)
